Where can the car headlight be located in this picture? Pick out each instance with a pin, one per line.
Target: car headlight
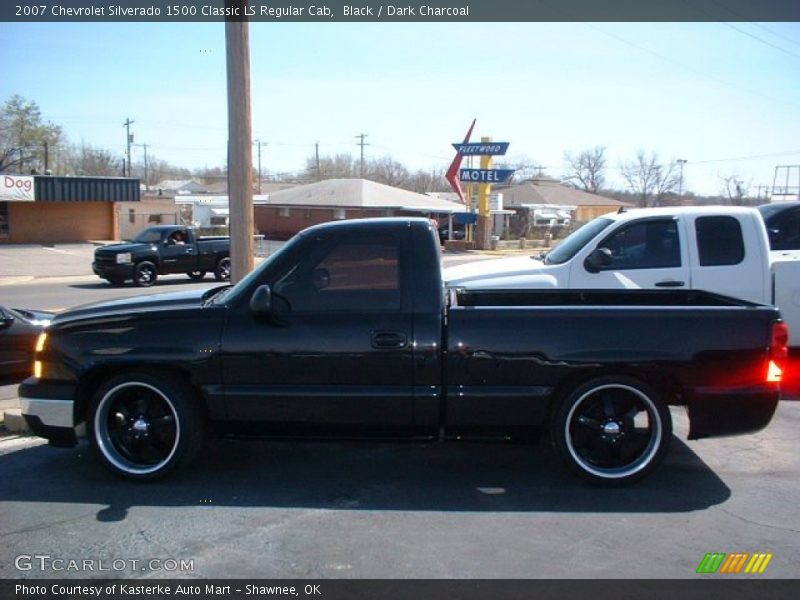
(123, 258)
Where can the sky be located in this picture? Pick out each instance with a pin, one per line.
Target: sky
(723, 96)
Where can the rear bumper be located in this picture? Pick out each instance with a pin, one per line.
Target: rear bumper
(715, 412)
(49, 412)
(113, 271)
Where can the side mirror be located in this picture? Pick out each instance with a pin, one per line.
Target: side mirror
(261, 302)
(599, 259)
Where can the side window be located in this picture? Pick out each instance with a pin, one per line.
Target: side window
(719, 241)
(644, 245)
(352, 276)
(785, 231)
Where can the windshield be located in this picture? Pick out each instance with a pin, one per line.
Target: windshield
(148, 236)
(575, 241)
(232, 294)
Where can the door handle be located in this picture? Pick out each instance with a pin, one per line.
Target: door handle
(388, 339)
(670, 284)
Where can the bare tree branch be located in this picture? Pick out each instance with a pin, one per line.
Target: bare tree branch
(587, 170)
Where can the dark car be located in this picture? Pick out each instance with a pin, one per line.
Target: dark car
(19, 330)
(458, 233)
(783, 224)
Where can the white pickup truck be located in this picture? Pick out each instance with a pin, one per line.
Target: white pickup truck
(718, 249)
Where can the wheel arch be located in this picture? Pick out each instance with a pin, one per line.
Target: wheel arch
(92, 380)
(663, 383)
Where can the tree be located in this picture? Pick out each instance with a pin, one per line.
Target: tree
(587, 170)
(735, 189)
(648, 180)
(341, 166)
(386, 170)
(25, 140)
(525, 169)
(89, 160)
(422, 181)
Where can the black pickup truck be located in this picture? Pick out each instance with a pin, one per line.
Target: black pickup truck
(161, 250)
(348, 331)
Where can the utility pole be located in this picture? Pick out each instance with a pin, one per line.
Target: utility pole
(240, 144)
(681, 162)
(316, 155)
(362, 144)
(259, 165)
(145, 163)
(129, 140)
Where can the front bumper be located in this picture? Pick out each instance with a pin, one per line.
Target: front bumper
(715, 411)
(107, 271)
(50, 412)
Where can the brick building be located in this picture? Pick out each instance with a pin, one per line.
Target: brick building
(46, 209)
(285, 212)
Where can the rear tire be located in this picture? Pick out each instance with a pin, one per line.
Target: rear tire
(145, 274)
(612, 430)
(223, 270)
(143, 426)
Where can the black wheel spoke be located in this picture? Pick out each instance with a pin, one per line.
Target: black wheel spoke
(607, 438)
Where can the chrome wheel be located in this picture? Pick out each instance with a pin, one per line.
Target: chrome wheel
(223, 270)
(143, 425)
(613, 430)
(136, 428)
(145, 274)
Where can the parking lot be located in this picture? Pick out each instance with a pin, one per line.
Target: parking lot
(380, 510)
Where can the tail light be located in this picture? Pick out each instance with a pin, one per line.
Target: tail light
(778, 352)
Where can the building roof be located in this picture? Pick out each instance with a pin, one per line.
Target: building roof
(179, 185)
(359, 193)
(544, 190)
(49, 188)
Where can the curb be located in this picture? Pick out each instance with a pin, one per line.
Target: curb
(14, 421)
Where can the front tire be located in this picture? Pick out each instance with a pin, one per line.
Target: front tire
(612, 430)
(223, 270)
(145, 274)
(143, 426)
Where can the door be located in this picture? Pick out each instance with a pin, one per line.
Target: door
(178, 254)
(648, 253)
(338, 354)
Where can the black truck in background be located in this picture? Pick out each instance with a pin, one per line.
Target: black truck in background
(349, 331)
(162, 250)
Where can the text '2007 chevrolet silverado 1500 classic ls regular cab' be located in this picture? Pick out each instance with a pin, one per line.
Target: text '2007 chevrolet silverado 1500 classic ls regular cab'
(349, 331)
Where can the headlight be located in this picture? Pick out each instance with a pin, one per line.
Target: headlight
(37, 364)
(123, 258)
(40, 341)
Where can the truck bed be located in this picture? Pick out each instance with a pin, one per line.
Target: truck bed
(545, 297)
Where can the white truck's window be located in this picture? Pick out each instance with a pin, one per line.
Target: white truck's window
(650, 244)
(719, 241)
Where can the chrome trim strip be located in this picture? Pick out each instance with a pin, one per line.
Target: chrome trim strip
(53, 413)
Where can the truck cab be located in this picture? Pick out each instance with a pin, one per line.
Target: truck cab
(709, 248)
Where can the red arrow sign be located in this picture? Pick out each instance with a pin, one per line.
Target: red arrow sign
(452, 172)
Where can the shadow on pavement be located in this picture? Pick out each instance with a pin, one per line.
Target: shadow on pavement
(361, 476)
(160, 284)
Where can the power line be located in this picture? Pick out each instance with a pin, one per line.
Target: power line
(692, 69)
(765, 42)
